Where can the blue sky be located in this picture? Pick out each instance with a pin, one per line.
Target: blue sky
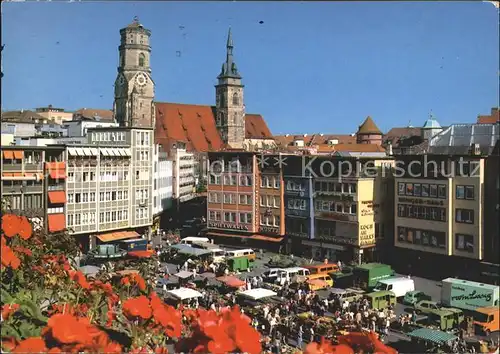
(309, 67)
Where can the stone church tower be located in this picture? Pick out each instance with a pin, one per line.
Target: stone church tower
(134, 88)
(230, 110)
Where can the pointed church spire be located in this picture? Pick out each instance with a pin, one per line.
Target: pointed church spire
(229, 68)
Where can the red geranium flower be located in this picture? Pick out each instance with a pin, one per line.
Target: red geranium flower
(25, 229)
(137, 307)
(10, 225)
(80, 278)
(68, 329)
(31, 345)
(8, 257)
(8, 310)
(24, 250)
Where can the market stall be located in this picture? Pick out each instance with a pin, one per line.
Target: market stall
(257, 294)
(232, 282)
(184, 294)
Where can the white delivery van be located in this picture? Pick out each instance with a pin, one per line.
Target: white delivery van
(271, 274)
(399, 286)
(288, 274)
(189, 240)
(218, 255)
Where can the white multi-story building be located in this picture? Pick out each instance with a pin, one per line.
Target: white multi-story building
(162, 183)
(79, 127)
(184, 182)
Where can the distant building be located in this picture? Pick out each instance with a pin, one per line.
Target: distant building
(80, 126)
(52, 114)
(494, 117)
(369, 133)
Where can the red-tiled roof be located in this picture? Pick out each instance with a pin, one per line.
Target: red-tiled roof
(314, 139)
(351, 148)
(369, 127)
(493, 118)
(92, 112)
(195, 126)
(395, 135)
(256, 127)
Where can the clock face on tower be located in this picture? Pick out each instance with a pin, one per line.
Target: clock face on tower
(141, 79)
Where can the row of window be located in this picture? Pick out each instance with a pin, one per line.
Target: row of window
(234, 166)
(142, 155)
(244, 218)
(465, 192)
(464, 216)
(422, 190)
(329, 206)
(108, 136)
(230, 198)
(336, 187)
(31, 201)
(269, 182)
(141, 194)
(109, 216)
(81, 219)
(270, 201)
(297, 204)
(464, 243)
(270, 220)
(141, 213)
(244, 181)
(295, 225)
(105, 176)
(427, 238)
(142, 138)
(421, 212)
(294, 186)
(21, 183)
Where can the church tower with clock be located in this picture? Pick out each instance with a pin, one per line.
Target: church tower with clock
(230, 110)
(134, 88)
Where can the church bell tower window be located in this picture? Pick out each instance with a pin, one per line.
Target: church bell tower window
(236, 99)
(142, 59)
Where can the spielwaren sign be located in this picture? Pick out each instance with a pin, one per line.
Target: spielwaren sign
(218, 225)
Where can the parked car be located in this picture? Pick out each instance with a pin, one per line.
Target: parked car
(426, 307)
(412, 297)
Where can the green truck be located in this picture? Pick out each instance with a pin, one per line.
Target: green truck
(468, 295)
(364, 276)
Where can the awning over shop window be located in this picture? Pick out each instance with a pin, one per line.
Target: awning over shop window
(18, 155)
(115, 236)
(122, 152)
(95, 151)
(57, 174)
(57, 197)
(104, 152)
(8, 154)
(57, 222)
(72, 152)
(79, 152)
(87, 152)
(127, 152)
(266, 238)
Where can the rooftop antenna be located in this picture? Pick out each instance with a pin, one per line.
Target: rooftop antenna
(136, 19)
(409, 124)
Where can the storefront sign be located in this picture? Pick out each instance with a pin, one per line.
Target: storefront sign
(341, 240)
(421, 201)
(366, 235)
(272, 230)
(227, 226)
(366, 208)
(297, 234)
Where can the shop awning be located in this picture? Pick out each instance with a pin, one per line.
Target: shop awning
(87, 152)
(141, 254)
(115, 236)
(57, 197)
(122, 152)
(127, 152)
(8, 154)
(231, 282)
(56, 165)
(104, 152)
(18, 154)
(184, 293)
(72, 152)
(95, 151)
(266, 238)
(57, 174)
(57, 222)
(79, 152)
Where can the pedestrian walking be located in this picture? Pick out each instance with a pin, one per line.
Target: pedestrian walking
(299, 337)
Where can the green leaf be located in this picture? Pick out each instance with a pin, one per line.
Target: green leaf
(6, 297)
(8, 330)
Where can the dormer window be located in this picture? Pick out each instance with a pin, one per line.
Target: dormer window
(298, 142)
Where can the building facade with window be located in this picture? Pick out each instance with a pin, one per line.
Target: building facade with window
(439, 203)
(333, 212)
(110, 185)
(33, 184)
(232, 196)
(184, 178)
